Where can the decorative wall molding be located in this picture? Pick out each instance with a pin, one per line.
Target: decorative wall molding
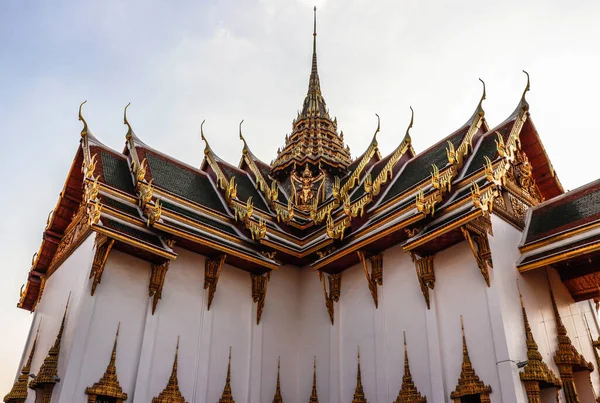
(212, 272)
(103, 246)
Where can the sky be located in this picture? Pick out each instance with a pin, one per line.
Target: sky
(179, 63)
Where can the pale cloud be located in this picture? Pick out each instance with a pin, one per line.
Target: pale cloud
(231, 60)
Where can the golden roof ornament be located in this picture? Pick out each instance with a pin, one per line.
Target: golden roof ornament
(108, 385)
(468, 382)
(227, 397)
(535, 374)
(47, 375)
(84, 131)
(277, 398)
(130, 132)
(408, 392)
(359, 394)
(171, 393)
(314, 398)
(18, 393)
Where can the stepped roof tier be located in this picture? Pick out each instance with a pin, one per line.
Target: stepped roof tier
(313, 206)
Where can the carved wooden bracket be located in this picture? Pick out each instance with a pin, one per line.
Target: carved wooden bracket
(335, 286)
(157, 280)
(371, 278)
(377, 268)
(103, 247)
(476, 233)
(212, 271)
(425, 274)
(259, 292)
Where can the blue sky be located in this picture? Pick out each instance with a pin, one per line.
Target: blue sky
(181, 62)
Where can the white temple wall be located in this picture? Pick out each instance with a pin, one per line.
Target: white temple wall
(316, 336)
(121, 297)
(70, 278)
(461, 290)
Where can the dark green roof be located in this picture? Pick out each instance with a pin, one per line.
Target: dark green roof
(419, 168)
(197, 217)
(487, 148)
(124, 208)
(115, 171)
(132, 231)
(245, 187)
(573, 209)
(183, 182)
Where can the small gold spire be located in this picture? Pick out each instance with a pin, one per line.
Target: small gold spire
(108, 385)
(171, 393)
(535, 374)
(378, 128)
(408, 392)
(227, 397)
(84, 131)
(314, 398)
(359, 394)
(410, 125)
(18, 393)
(242, 136)
(48, 373)
(277, 398)
(468, 381)
(125, 121)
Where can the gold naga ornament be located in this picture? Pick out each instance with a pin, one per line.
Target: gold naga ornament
(18, 393)
(536, 374)
(408, 391)
(108, 385)
(304, 195)
(171, 393)
(469, 383)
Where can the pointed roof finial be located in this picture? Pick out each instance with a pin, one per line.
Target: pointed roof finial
(359, 393)
(480, 110)
(18, 393)
(277, 398)
(408, 391)
(314, 398)
(524, 104)
(125, 121)
(84, 131)
(315, 30)
(242, 136)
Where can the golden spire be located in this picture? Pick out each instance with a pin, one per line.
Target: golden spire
(468, 381)
(18, 393)
(242, 137)
(227, 397)
(566, 354)
(408, 392)
(359, 394)
(536, 369)
(314, 398)
(277, 398)
(48, 372)
(84, 131)
(410, 125)
(171, 393)
(596, 356)
(523, 104)
(108, 385)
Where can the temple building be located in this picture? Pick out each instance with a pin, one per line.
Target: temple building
(462, 273)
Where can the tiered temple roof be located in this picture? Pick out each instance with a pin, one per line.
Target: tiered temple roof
(313, 205)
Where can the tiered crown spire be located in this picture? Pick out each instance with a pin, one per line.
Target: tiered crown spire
(277, 398)
(48, 373)
(468, 381)
(314, 398)
(314, 137)
(109, 384)
(359, 393)
(227, 397)
(408, 392)
(18, 393)
(171, 393)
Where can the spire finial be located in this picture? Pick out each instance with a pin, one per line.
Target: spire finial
(524, 103)
(125, 121)
(242, 136)
(202, 131)
(84, 131)
(480, 106)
